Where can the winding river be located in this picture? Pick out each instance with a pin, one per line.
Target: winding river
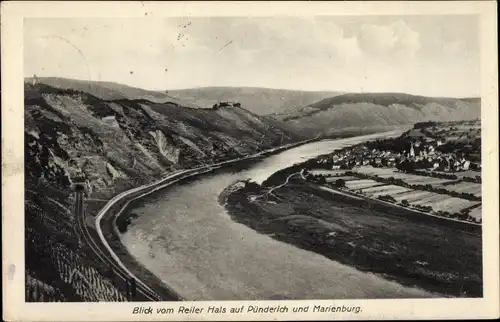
(186, 238)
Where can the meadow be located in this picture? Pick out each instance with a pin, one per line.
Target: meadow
(374, 237)
(408, 178)
(466, 187)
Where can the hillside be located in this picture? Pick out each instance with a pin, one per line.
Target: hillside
(261, 101)
(109, 90)
(380, 109)
(114, 145)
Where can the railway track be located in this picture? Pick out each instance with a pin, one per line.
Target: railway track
(101, 246)
(123, 275)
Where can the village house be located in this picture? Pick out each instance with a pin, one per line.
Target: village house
(464, 164)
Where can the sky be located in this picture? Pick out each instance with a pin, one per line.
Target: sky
(424, 55)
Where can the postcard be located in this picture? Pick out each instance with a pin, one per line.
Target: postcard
(179, 161)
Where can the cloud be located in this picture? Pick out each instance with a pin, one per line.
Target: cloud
(330, 52)
(396, 40)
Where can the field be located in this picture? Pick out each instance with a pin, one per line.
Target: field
(345, 178)
(438, 202)
(408, 178)
(374, 189)
(453, 130)
(384, 190)
(465, 187)
(361, 184)
(444, 203)
(413, 195)
(435, 200)
(369, 236)
(327, 172)
(463, 174)
(476, 212)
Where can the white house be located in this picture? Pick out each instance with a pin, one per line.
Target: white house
(412, 151)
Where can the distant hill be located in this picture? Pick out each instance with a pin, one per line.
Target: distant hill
(109, 90)
(380, 109)
(307, 112)
(261, 101)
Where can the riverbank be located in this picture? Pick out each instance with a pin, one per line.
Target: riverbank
(410, 249)
(189, 241)
(118, 217)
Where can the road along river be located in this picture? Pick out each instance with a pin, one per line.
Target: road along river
(186, 238)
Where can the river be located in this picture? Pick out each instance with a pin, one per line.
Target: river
(187, 239)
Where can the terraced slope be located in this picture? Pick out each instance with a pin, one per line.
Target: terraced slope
(113, 145)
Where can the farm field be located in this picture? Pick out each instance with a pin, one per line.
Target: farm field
(361, 184)
(413, 179)
(468, 127)
(476, 212)
(435, 200)
(327, 172)
(438, 202)
(465, 187)
(460, 175)
(451, 138)
(408, 178)
(383, 172)
(412, 195)
(345, 178)
(384, 190)
(445, 203)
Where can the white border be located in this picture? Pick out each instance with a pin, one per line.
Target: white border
(13, 159)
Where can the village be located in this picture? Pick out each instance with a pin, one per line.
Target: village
(434, 168)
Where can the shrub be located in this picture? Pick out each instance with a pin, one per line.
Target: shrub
(321, 179)
(387, 198)
(340, 183)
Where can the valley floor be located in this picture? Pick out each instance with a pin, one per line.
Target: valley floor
(395, 243)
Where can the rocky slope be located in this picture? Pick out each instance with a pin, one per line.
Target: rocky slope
(261, 101)
(109, 90)
(380, 109)
(114, 145)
